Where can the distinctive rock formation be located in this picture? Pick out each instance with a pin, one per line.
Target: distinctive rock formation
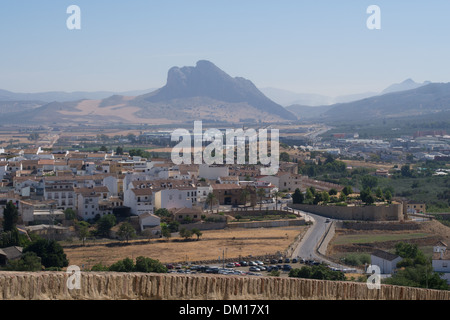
(145, 286)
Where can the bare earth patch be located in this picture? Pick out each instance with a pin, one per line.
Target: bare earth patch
(236, 243)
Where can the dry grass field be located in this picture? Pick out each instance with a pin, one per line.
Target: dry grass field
(236, 242)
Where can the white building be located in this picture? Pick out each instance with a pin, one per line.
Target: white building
(140, 201)
(212, 172)
(387, 262)
(149, 221)
(89, 200)
(176, 198)
(441, 260)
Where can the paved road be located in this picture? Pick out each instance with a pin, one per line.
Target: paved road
(307, 247)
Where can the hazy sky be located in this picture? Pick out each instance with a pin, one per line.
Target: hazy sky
(304, 46)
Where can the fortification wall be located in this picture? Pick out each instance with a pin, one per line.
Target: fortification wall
(142, 286)
(392, 212)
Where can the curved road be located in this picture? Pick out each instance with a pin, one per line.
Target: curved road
(307, 247)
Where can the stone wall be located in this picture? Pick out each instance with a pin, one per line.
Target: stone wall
(392, 212)
(267, 224)
(141, 286)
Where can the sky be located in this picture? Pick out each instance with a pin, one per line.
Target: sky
(321, 47)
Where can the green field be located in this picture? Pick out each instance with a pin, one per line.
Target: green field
(370, 238)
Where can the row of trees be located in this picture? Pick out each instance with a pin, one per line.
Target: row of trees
(143, 264)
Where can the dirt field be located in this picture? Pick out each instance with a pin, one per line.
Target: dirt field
(236, 242)
(348, 240)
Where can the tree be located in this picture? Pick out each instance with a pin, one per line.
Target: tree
(245, 194)
(261, 193)
(29, 261)
(144, 264)
(119, 150)
(277, 195)
(211, 200)
(388, 195)
(325, 196)
(379, 193)
(126, 231)
(50, 252)
(309, 197)
(125, 265)
(347, 190)
(284, 156)
(165, 231)
(104, 149)
(70, 214)
(105, 224)
(197, 232)
(369, 182)
(185, 233)
(10, 217)
(297, 197)
(332, 192)
(406, 171)
(162, 212)
(366, 196)
(82, 230)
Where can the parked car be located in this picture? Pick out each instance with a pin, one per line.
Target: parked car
(178, 266)
(287, 267)
(259, 263)
(230, 265)
(295, 260)
(262, 268)
(287, 260)
(280, 260)
(254, 268)
(169, 266)
(328, 220)
(237, 264)
(273, 261)
(243, 263)
(252, 263)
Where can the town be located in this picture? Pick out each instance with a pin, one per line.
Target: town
(120, 196)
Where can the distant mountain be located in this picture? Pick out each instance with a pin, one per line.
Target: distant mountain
(408, 84)
(203, 92)
(308, 112)
(206, 80)
(60, 96)
(427, 99)
(287, 98)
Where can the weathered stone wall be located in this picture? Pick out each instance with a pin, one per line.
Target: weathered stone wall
(267, 224)
(141, 286)
(392, 212)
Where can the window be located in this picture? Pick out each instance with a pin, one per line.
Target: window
(444, 264)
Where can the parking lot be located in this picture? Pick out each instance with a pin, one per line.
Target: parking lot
(252, 268)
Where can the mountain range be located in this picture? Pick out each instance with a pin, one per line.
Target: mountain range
(205, 92)
(289, 98)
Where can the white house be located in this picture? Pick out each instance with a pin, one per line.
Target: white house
(88, 201)
(139, 201)
(387, 262)
(441, 260)
(149, 221)
(63, 193)
(175, 198)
